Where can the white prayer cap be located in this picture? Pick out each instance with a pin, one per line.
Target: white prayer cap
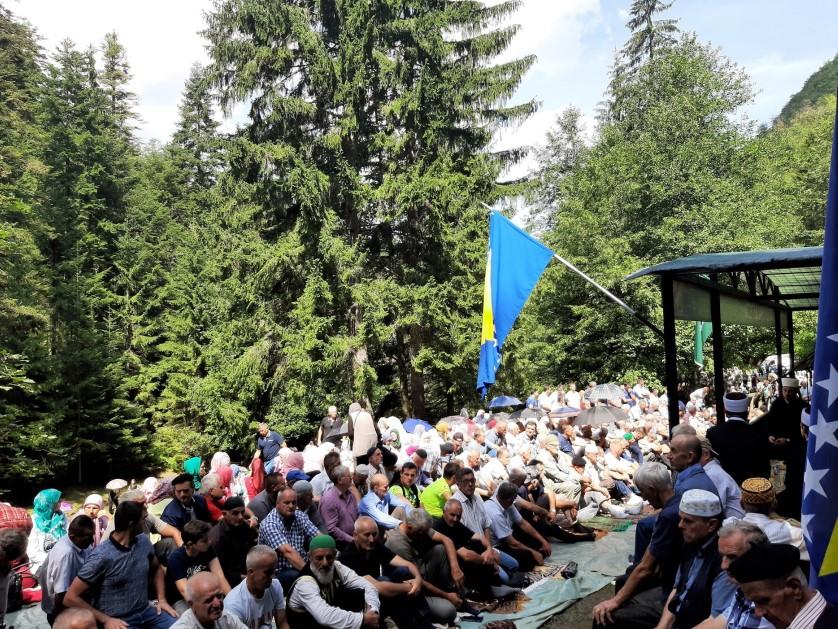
(736, 404)
(805, 418)
(790, 382)
(700, 503)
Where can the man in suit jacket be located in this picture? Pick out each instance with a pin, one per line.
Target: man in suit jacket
(742, 449)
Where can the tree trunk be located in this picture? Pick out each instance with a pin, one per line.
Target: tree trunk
(360, 357)
(417, 378)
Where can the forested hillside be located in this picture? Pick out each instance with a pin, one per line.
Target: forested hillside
(159, 301)
(822, 83)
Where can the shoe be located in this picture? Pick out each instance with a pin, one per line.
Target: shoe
(502, 591)
(516, 580)
(469, 610)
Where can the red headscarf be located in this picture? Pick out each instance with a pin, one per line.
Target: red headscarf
(255, 483)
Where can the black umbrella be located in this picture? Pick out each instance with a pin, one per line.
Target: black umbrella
(526, 413)
(600, 415)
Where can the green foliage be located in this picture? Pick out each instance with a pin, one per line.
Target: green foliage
(821, 83)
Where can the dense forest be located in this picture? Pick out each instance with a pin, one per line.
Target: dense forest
(159, 301)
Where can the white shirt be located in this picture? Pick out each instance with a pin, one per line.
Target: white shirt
(544, 400)
(306, 596)
(256, 613)
(778, 531)
(573, 399)
(187, 620)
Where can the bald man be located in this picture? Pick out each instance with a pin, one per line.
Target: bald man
(75, 618)
(206, 605)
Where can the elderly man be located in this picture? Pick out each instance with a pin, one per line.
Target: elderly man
(632, 606)
(119, 571)
(339, 507)
(306, 504)
(206, 605)
(759, 501)
(268, 443)
(258, 601)
(727, 489)
(387, 510)
(328, 594)
(187, 505)
(734, 540)
(231, 538)
(327, 424)
(556, 475)
(434, 554)
(770, 576)
(321, 483)
(512, 533)
(265, 501)
(288, 531)
(398, 581)
(702, 588)
(63, 563)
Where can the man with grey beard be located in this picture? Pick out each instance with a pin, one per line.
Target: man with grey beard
(328, 594)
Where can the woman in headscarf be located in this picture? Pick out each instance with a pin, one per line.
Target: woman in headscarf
(255, 483)
(225, 475)
(93, 508)
(195, 468)
(218, 459)
(50, 525)
(292, 461)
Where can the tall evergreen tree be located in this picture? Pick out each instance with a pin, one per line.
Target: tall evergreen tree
(648, 35)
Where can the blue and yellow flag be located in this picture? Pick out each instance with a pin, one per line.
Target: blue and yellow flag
(514, 264)
(820, 493)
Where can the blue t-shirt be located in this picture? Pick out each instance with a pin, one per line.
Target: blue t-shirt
(118, 576)
(269, 445)
(694, 477)
(665, 545)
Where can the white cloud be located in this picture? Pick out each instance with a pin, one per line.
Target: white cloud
(161, 39)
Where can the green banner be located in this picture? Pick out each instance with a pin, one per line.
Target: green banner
(703, 330)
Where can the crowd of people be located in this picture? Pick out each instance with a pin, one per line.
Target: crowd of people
(372, 524)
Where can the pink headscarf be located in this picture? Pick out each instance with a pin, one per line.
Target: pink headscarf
(293, 461)
(225, 474)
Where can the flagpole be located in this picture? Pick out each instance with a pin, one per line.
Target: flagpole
(601, 289)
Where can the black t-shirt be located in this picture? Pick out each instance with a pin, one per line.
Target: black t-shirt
(372, 564)
(181, 566)
(460, 534)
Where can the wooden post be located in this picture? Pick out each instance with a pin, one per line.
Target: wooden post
(670, 348)
(718, 351)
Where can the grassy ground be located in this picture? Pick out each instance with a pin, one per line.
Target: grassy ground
(578, 615)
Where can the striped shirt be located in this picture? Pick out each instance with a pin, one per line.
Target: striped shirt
(808, 616)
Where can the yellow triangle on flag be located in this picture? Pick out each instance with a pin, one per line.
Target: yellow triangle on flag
(830, 559)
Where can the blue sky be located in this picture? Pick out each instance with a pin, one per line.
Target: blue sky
(778, 42)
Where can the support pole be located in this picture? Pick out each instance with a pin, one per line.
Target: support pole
(670, 348)
(778, 342)
(790, 323)
(718, 351)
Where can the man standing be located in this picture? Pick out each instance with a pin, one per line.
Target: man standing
(258, 600)
(231, 538)
(206, 605)
(770, 576)
(742, 450)
(186, 506)
(265, 501)
(63, 563)
(398, 581)
(268, 443)
(702, 588)
(329, 594)
(339, 508)
(118, 572)
(327, 425)
(288, 532)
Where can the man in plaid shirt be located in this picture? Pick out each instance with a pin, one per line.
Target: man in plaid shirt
(288, 531)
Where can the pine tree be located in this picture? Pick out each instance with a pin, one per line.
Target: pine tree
(648, 35)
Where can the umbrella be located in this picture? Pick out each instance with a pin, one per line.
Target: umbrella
(526, 413)
(410, 424)
(608, 392)
(564, 411)
(505, 400)
(601, 415)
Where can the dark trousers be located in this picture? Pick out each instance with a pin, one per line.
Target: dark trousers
(641, 612)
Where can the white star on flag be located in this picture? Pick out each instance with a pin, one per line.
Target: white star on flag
(805, 520)
(831, 385)
(824, 432)
(812, 479)
(833, 337)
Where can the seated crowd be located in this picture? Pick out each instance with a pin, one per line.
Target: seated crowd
(371, 525)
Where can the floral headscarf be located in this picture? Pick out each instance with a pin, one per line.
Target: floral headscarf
(193, 468)
(46, 519)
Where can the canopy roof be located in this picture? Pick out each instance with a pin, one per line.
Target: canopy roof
(752, 284)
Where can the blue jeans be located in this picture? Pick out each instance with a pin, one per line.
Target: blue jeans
(643, 535)
(270, 466)
(507, 564)
(149, 619)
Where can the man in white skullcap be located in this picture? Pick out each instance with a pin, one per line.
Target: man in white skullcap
(741, 449)
(702, 589)
(781, 429)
